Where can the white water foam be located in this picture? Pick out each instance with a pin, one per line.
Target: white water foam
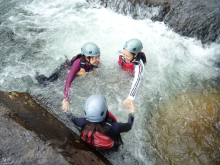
(52, 29)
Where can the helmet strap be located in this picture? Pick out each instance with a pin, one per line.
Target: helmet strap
(89, 62)
(133, 56)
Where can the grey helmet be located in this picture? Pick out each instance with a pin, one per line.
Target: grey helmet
(95, 108)
(133, 46)
(90, 49)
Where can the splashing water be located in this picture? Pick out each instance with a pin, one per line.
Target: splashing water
(35, 36)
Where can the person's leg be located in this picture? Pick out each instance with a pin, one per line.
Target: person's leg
(43, 80)
(55, 74)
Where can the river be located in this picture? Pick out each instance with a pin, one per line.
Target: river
(35, 36)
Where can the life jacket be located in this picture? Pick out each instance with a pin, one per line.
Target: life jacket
(129, 67)
(100, 140)
(82, 63)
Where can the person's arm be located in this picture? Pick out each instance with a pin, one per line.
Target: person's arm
(81, 72)
(75, 68)
(118, 128)
(77, 121)
(139, 70)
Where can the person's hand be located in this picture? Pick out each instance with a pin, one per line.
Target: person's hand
(81, 72)
(127, 102)
(92, 72)
(130, 104)
(65, 105)
(132, 108)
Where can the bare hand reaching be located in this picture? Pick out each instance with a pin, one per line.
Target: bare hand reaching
(130, 104)
(65, 105)
(81, 72)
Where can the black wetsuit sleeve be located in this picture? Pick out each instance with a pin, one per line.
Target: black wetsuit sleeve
(118, 128)
(131, 119)
(77, 121)
(71, 117)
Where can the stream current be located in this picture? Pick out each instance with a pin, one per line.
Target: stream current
(36, 36)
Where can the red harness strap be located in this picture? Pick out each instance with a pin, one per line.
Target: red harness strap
(129, 67)
(100, 140)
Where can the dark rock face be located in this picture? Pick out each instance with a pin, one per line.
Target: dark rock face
(192, 18)
(195, 18)
(21, 108)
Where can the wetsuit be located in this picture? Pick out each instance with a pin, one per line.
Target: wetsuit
(139, 70)
(43, 80)
(115, 129)
(75, 68)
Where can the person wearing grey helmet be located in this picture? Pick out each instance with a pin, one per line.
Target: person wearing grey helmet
(81, 64)
(100, 128)
(132, 61)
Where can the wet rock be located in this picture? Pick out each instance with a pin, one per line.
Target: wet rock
(192, 18)
(20, 146)
(199, 19)
(185, 129)
(21, 108)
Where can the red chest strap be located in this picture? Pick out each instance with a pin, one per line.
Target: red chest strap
(129, 67)
(101, 140)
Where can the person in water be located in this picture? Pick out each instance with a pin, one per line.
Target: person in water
(89, 59)
(132, 61)
(80, 64)
(100, 128)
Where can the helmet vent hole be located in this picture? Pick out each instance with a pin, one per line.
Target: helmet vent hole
(90, 52)
(134, 49)
(102, 113)
(85, 113)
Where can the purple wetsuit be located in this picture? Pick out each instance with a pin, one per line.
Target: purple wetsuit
(75, 68)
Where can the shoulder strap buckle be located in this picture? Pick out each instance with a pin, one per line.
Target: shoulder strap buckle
(108, 123)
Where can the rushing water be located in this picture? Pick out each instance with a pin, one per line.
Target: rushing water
(35, 36)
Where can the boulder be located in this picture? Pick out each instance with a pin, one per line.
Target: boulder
(192, 18)
(22, 109)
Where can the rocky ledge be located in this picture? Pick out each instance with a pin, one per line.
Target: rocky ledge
(27, 113)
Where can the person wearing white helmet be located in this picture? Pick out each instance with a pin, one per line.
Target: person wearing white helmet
(100, 128)
(132, 61)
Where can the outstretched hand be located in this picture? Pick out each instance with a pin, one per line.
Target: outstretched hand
(65, 105)
(127, 102)
(130, 104)
(81, 72)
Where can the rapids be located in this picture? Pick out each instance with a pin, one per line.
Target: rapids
(35, 35)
